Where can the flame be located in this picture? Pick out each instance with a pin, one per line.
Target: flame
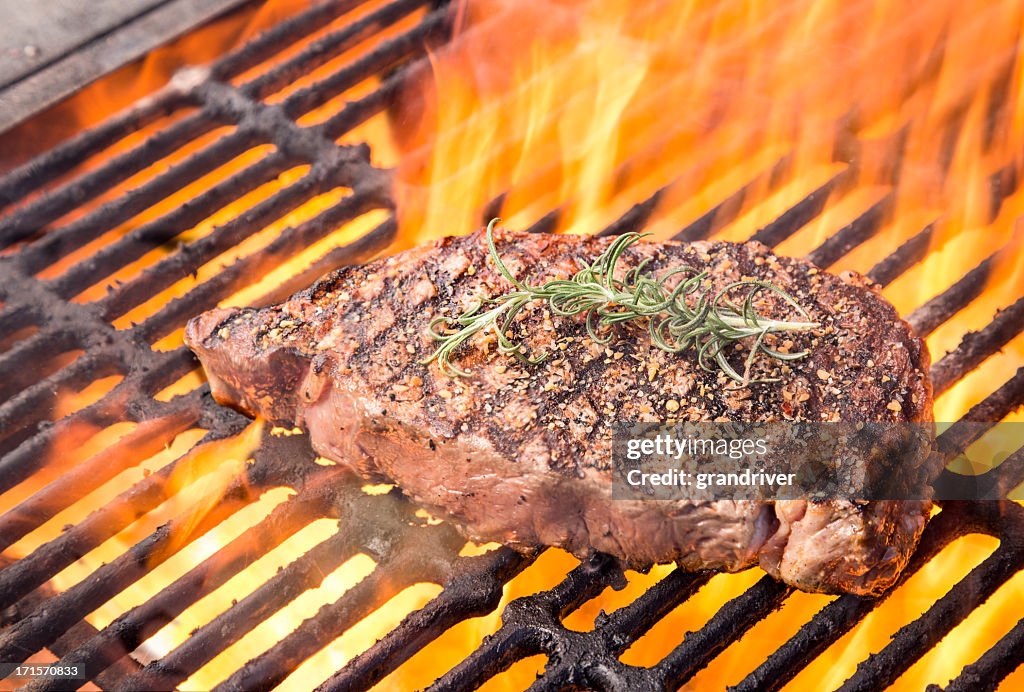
(566, 114)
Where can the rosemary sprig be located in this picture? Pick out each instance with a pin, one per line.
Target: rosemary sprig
(685, 316)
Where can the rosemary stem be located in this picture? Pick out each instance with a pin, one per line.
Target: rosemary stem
(624, 300)
(769, 326)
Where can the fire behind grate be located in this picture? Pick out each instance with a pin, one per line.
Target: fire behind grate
(82, 225)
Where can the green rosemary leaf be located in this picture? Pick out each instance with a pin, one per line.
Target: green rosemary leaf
(678, 318)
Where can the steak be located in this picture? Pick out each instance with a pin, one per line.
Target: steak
(520, 453)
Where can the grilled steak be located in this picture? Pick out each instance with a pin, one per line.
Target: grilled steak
(520, 453)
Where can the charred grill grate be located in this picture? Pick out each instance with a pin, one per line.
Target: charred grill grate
(46, 320)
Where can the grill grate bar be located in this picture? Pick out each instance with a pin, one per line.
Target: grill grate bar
(350, 164)
(843, 614)
(640, 213)
(960, 435)
(994, 665)
(915, 639)
(732, 206)
(110, 215)
(53, 204)
(51, 341)
(975, 347)
(629, 623)
(271, 667)
(389, 54)
(23, 416)
(864, 227)
(107, 521)
(22, 181)
(530, 626)
(505, 648)
(320, 489)
(164, 273)
(78, 635)
(239, 274)
(57, 312)
(132, 628)
(305, 573)
(942, 307)
(123, 403)
(637, 216)
(994, 484)
(162, 230)
(727, 625)
(1001, 480)
(404, 558)
(995, 406)
(471, 585)
(359, 250)
(72, 484)
(573, 654)
(280, 37)
(907, 255)
(30, 456)
(224, 110)
(71, 639)
(547, 223)
(14, 318)
(42, 626)
(327, 48)
(354, 113)
(797, 216)
(474, 588)
(27, 221)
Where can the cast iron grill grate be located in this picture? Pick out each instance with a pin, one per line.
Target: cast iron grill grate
(50, 218)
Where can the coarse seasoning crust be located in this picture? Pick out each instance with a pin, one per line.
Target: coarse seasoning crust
(358, 339)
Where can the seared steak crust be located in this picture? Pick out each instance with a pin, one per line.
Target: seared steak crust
(520, 453)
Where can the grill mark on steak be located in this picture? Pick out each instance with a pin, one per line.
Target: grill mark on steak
(520, 453)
